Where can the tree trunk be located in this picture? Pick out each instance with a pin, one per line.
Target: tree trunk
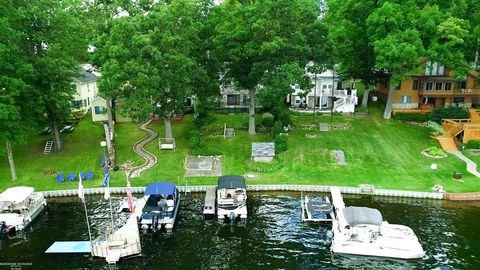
(388, 105)
(10, 160)
(365, 98)
(107, 138)
(57, 140)
(168, 127)
(314, 99)
(477, 54)
(251, 119)
(111, 125)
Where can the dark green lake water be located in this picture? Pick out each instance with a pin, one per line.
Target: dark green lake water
(272, 238)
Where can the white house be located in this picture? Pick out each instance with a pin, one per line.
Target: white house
(85, 91)
(344, 100)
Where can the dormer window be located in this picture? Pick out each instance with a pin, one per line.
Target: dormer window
(434, 69)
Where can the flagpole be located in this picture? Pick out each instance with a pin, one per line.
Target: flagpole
(81, 195)
(88, 226)
(107, 192)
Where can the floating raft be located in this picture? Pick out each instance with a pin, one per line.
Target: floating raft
(70, 247)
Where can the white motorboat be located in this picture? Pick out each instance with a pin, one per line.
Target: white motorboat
(19, 206)
(231, 197)
(362, 231)
(161, 207)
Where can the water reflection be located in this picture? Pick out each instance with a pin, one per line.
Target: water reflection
(273, 236)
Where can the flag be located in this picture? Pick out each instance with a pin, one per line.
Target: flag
(106, 183)
(81, 194)
(129, 196)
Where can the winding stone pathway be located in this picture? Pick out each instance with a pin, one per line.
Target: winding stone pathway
(471, 166)
(138, 148)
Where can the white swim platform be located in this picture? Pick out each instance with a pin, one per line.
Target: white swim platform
(70, 247)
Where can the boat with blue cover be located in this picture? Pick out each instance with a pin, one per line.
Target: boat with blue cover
(161, 207)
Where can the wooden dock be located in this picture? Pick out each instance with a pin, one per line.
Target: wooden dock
(210, 198)
(124, 242)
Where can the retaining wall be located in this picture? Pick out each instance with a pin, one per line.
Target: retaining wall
(306, 188)
(462, 196)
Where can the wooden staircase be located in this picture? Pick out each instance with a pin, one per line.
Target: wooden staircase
(447, 143)
(474, 115)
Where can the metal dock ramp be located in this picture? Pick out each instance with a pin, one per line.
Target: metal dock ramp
(210, 197)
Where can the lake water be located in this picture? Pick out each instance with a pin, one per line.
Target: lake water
(272, 238)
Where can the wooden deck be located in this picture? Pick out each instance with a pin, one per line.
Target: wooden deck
(122, 243)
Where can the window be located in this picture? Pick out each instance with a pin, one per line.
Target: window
(329, 86)
(233, 99)
(417, 85)
(448, 86)
(324, 86)
(461, 84)
(405, 99)
(438, 86)
(399, 86)
(434, 69)
(429, 86)
(98, 110)
(77, 104)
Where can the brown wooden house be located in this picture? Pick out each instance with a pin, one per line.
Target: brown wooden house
(436, 86)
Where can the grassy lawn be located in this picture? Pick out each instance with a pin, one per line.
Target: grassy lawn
(383, 153)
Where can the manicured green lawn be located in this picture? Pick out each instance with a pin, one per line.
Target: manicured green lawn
(383, 153)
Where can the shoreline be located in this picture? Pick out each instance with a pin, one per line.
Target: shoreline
(259, 188)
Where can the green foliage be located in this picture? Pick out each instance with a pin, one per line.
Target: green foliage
(435, 151)
(267, 120)
(281, 143)
(265, 167)
(204, 150)
(472, 144)
(194, 139)
(448, 112)
(411, 117)
(435, 128)
(277, 129)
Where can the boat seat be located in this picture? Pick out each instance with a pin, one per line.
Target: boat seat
(170, 204)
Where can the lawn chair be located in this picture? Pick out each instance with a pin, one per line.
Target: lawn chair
(71, 177)
(60, 177)
(89, 175)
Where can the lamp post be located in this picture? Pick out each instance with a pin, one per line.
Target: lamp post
(333, 102)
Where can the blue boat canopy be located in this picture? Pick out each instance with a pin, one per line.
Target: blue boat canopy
(161, 188)
(231, 181)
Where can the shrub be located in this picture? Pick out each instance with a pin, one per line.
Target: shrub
(267, 120)
(265, 167)
(435, 129)
(281, 143)
(411, 117)
(472, 144)
(194, 140)
(277, 129)
(285, 118)
(435, 151)
(448, 112)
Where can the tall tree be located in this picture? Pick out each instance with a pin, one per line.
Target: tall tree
(396, 42)
(54, 44)
(16, 102)
(255, 40)
(151, 59)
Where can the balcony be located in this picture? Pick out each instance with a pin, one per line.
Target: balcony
(448, 93)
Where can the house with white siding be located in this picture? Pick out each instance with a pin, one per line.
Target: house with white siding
(85, 91)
